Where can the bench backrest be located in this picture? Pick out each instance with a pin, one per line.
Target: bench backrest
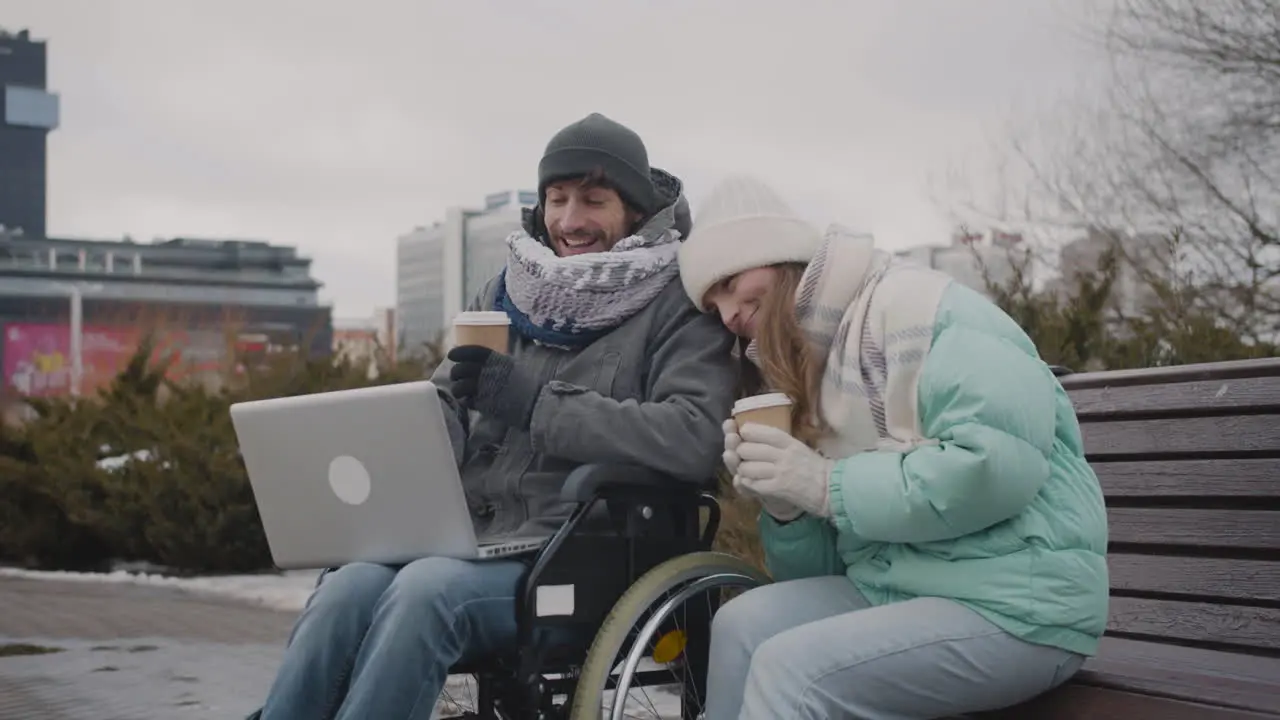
(1189, 461)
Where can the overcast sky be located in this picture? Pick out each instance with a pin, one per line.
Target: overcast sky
(336, 126)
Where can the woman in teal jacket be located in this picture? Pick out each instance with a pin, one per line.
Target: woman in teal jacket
(937, 538)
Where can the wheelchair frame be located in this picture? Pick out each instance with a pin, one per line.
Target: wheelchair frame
(515, 686)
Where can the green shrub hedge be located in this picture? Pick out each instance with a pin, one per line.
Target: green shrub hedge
(182, 499)
(187, 504)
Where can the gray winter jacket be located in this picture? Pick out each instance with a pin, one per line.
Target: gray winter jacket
(653, 392)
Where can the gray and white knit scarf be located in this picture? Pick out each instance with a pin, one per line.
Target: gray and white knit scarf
(569, 302)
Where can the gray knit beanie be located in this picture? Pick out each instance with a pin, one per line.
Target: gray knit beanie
(596, 142)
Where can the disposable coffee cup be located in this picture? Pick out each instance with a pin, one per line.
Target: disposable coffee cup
(772, 409)
(487, 328)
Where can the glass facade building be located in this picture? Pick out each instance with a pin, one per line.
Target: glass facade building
(484, 248)
(195, 283)
(439, 269)
(28, 113)
(419, 287)
(194, 289)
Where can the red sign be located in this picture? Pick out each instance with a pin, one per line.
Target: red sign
(37, 358)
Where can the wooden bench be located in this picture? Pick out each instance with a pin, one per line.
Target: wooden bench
(1189, 461)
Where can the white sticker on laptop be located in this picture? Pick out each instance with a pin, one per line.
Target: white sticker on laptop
(349, 480)
(555, 600)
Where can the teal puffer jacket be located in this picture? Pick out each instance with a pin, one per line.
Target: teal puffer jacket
(1003, 514)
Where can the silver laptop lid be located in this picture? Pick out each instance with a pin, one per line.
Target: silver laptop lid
(355, 475)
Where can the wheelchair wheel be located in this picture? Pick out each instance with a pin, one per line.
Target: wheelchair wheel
(643, 643)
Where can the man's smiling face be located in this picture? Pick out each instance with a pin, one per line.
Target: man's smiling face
(585, 217)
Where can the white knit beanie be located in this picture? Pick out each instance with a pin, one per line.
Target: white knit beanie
(742, 224)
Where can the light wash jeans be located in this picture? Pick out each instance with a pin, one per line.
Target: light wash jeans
(377, 642)
(815, 648)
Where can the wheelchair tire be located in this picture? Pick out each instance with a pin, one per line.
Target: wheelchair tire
(650, 600)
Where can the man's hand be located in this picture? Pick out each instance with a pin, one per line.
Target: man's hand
(492, 384)
(777, 466)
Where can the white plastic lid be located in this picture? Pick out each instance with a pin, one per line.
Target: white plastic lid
(757, 402)
(482, 317)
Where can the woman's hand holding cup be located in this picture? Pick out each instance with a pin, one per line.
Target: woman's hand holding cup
(779, 509)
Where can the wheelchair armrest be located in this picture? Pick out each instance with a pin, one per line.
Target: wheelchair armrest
(590, 481)
(1061, 371)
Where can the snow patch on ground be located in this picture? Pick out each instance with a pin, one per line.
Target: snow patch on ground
(111, 464)
(286, 591)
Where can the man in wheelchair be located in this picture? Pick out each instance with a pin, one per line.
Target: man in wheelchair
(609, 364)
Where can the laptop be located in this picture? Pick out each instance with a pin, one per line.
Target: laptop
(360, 475)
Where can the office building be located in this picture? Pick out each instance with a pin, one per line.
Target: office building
(419, 287)
(1142, 259)
(440, 268)
(196, 291)
(72, 310)
(976, 259)
(28, 112)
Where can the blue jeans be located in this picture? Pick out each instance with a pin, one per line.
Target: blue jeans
(815, 648)
(377, 642)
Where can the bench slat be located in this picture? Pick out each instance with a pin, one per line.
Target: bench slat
(1228, 679)
(1196, 622)
(1188, 478)
(1238, 433)
(1077, 701)
(1246, 529)
(1253, 394)
(1228, 369)
(1256, 580)
(1205, 435)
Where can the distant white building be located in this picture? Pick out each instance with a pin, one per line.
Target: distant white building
(1146, 256)
(419, 287)
(975, 258)
(441, 267)
(368, 339)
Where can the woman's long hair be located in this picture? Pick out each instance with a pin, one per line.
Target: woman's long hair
(787, 362)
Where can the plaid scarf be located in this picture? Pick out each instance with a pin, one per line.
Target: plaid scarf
(872, 316)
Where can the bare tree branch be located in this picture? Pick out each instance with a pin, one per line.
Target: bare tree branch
(1185, 143)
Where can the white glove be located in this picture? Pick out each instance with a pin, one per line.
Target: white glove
(777, 466)
(782, 511)
(731, 442)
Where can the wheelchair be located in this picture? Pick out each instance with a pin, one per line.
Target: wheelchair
(610, 608)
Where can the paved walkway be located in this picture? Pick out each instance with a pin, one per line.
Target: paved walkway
(136, 652)
(126, 652)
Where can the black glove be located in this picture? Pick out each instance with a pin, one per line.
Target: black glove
(492, 384)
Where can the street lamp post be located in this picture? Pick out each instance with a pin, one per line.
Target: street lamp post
(76, 293)
(77, 339)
